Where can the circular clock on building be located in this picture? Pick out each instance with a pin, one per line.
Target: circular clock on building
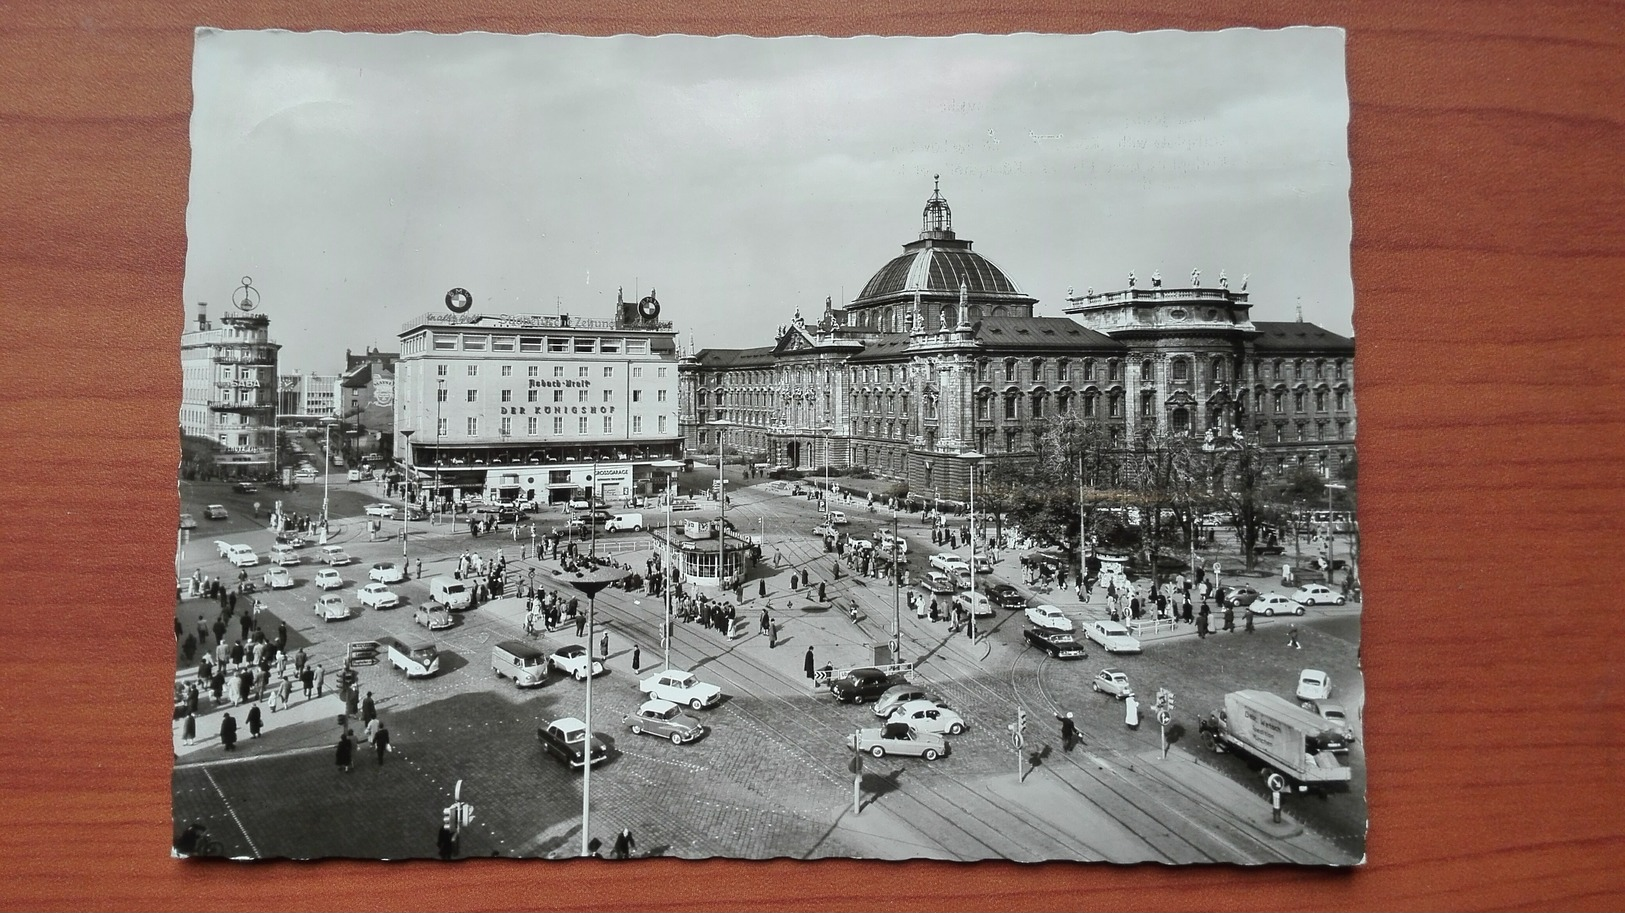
(458, 300)
(649, 308)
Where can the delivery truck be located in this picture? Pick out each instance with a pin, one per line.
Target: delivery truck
(1296, 742)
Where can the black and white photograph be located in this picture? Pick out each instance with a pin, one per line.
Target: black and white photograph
(878, 448)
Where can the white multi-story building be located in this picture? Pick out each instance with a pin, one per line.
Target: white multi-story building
(526, 406)
(229, 390)
(307, 395)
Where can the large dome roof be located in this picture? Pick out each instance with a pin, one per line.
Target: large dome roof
(938, 263)
(939, 270)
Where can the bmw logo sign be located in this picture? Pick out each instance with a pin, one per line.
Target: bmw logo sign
(458, 300)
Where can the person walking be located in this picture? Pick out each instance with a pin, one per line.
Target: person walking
(284, 694)
(581, 625)
(1230, 619)
(256, 722)
(345, 752)
(352, 702)
(772, 636)
(1201, 626)
(189, 728)
(380, 742)
(321, 679)
(1131, 712)
(1248, 624)
(624, 845)
(369, 710)
(1292, 637)
(637, 658)
(808, 663)
(603, 646)
(203, 631)
(228, 732)
(1069, 731)
(300, 660)
(307, 680)
(763, 625)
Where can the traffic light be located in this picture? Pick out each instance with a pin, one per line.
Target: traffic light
(1021, 720)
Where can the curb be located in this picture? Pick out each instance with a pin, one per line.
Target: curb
(1238, 796)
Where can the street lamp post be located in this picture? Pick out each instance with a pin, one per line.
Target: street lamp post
(972, 458)
(671, 467)
(327, 471)
(406, 502)
(828, 501)
(439, 395)
(588, 583)
(721, 425)
(1330, 525)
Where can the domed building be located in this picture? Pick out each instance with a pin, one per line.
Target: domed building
(939, 359)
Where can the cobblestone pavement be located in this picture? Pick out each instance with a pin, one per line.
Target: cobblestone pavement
(771, 778)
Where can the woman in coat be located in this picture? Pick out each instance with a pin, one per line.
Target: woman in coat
(189, 728)
(255, 722)
(228, 731)
(346, 752)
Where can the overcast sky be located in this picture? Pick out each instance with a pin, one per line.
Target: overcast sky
(357, 178)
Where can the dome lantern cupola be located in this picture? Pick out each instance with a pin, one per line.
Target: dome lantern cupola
(938, 219)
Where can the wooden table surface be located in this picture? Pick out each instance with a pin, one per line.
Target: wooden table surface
(1489, 240)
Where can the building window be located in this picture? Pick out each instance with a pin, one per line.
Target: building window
(558, 370)
(1038, 404)
(660, 424)
(1341, 367)
(530, 396)
(1011, 410)
(660, 372)
(609, 371)
(1320, 431)
(1218, 371)
(607, 420)
(1276, 368)
(581, 425)
(1182, 371)
(558, 425)
(1089, 405)
(1010, 369)
(982, 408)
(608, 394)
(637, 396)
(1010, 441)
(1299, 401)
(440, 427)
(1297, 370)
(440, 395)
(1342, 430)
(1342, 400)
(1063, 370)
(1280, 402)
(1038, 370)
(1115, 404)
(507, 396)
(1148, 403)
(581, 396)
(532, 371)
(473, 370)
(473, 425)
(471, 395)
(1320, 400)
(507, 426)
(558, 396)
(1114, 370)
(581, 371)
(660, 396)
(983, 370)
(1179, 421)
(440, 370)
(507, 370)
(637, 424)
(530, 426)
(1320, 370)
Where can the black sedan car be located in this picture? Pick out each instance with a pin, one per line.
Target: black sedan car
(1059, 644)
(861, 685)
(1005, 596)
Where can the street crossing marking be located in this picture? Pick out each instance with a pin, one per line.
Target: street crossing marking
(232, 812)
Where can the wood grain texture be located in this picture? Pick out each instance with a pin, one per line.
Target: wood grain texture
(1489, 257)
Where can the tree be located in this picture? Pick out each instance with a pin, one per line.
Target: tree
(1237, 478)
(1168, 477)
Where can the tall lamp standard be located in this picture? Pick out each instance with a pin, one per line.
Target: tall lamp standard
(588, 583)
(439, 423)
(722, 425)
(406, 502)
(327, 470)
(972, 458)
(828, 501)
(1331, 524)
(671, 467)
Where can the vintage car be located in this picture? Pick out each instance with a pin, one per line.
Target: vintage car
(1048, 616)
(215, 512)
(664, 719)
(331, 608)
(861, 685)
(1005, 596)
(1112, 637)
(1313, 685)
(187, 522)
(567, 740)
(1113, 682)
(278, 578)
(1270, 603)
(938, 584)
(572, 660)
(929, 716)
(386, 572)
(1238, 597)
(975, 603)
(949, 562)
(681, 688)
(386, 511)
(1059, 644)
(328, 579)
(898, 738)
(896, 696)
(1318, 594)
(378, 596)
(432, 615)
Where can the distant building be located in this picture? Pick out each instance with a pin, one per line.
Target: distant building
(228, 394)
(940, 358)
(307, 396)
(523, 405)
(364, 400)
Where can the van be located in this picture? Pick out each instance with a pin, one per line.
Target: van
(417, 658)
(453, 594)
(243, 556)
(284, 555)
(334, 555)
(523, 663)
(624, 522)
(354, 475)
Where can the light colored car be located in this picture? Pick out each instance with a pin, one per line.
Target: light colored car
(222, 548)
(1048, 616)
(896, 696)
(386, 572)
(387, 511)
(332, 608)
(572, 660)
(1112, 637)
(215, 512)
(838, 518)
(1314, 685)
(187, 522)
(823, 529)
(681, 687)
(432, 615)
(929, 716)
(278, 578)
(977, 604)
(938, 584)
(378, 596)
(1113, 682)
(1317, 594)
(898, 738)
(1271, 603)
(949, 563)
(243, 556)
(328, 579)
(335, 555)
(664, 720)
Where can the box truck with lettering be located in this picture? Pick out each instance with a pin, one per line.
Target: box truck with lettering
(1296, 742)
